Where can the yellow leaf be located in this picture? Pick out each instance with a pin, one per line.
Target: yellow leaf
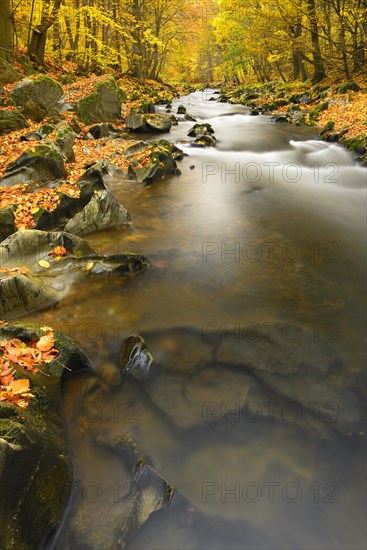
(44, 263)
(89, 266)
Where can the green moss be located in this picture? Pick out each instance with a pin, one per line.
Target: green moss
(48, 79)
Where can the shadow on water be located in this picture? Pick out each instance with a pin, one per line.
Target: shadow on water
(253, 309)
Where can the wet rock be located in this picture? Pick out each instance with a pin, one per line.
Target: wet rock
(181, 110)
(190, 118)
(43, 282)
(103, 105)
(153, 493)
(11, 121)
(135, 357)
(199, 130)
(254, 112)
(282, 118)
(38, 97)
(145, 123)
(35, 469)
(102, 212)
(8, 74)
(205, 141)
(349, 86)
(162, 164)
(204, 135)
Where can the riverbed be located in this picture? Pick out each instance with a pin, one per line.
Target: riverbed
(253, 307)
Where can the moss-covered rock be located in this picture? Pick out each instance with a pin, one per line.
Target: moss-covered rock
(348, 86)
(37, 97)
(103, 105)
(11, 121)
(8, 74)
(35, 468)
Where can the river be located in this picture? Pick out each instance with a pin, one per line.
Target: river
(259, 247)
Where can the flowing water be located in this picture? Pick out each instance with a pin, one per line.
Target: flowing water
(259, 246)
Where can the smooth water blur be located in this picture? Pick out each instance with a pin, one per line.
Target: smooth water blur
(266, 230)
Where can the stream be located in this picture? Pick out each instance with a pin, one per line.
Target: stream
(254, 310)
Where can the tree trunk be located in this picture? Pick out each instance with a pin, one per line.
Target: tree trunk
(6, 31)
(319, 69)
(36, 51)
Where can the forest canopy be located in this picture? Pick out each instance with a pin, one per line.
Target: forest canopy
(190, 40)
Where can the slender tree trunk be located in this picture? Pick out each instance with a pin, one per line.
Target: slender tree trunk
(6, 31)
(319, 69)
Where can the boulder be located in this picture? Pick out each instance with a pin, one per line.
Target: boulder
(10, 121)
(8, 74)
(204, 135)
(102, 212)
(38, 97)
(159, 162)
(181, 110)
(349, 86)
(199, 130)
(146, 123)
(103, 105)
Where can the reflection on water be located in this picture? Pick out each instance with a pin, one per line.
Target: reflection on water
(257, 250)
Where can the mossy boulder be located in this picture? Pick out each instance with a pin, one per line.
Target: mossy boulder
(8, 74)
(349, 87)
(102, 105)
(10, 121)
(35, 467)
(37, 97)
